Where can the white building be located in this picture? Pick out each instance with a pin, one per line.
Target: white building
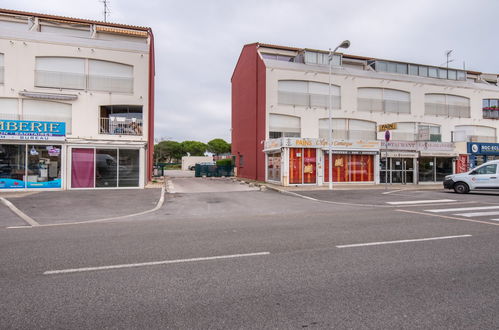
(76, 103)
(280, 118)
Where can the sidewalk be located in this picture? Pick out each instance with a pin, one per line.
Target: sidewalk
(366, 186)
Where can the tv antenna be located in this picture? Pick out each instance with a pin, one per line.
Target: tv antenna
(449, 60)
(106, 9)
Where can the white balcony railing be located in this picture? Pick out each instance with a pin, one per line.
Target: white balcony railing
(447, 110)
(308, 100)
(55, 79)
(121, 126)
(389, 106)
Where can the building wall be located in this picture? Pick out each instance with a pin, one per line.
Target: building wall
(248, 114)
(349, 82)
(22, 43)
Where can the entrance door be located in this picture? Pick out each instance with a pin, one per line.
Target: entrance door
(302, 165)
(402, 170)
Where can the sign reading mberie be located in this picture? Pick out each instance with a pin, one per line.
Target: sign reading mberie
(387, 127)
(32, 130)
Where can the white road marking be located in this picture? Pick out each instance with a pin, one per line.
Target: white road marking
(391, 192)
(422, 201)
(477, 214)
(449, 217)
(494, 219)
(401, 241)
(19, 213)
(464, 209)
(152, 263)
(160, 203)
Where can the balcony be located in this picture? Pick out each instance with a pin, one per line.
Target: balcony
(387, 106)
(447, 110)
(309, 100)
(55, 79)
(490, 113)
(66, 80)
(121, 126)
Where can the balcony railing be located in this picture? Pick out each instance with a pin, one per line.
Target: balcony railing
(389, 106)
(55, 79)
(340, 134)
(447, 110)
(121, 126)
(308, 100)
(491, 113)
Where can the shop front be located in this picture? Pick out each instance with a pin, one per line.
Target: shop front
(31, 154)
(416, 161)
(303, 161)
(479, 153)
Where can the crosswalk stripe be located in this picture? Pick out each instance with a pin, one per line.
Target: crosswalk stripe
(464, 209)
(477, 214)
(422, 201)
(494, 219)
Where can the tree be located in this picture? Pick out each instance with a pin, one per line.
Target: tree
(194, 148)
(168, 151)
(218, 146)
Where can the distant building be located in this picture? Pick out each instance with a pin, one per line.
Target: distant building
(280, 98)
(76, 103)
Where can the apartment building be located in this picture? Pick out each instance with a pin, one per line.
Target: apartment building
(443, 120)
(76, 103)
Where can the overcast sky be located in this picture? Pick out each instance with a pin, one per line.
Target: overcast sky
(198, 42)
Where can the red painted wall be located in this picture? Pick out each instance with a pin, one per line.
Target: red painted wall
(248, 114)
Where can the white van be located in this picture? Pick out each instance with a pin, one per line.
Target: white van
(485, 176)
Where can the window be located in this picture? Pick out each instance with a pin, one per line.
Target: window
(383, 100)
(428, 132)
(487, 169)
(413, 70)
(433, 72)
(241, 160)
(471, 133)
(47, 111)
(490, 108)
(105, 168)
(321, 58)
(70, 73)
(110, 76)
(348, 129)
(277, 57)
(283, 126)
(60, 72)
(447, 105)
(308, 94)
(121, 120)
(423, 71)
(1, 68)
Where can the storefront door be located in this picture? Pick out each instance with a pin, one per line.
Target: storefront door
(434, 169)
(302, 165)
(402, 170)
(350, 168)
(274, 166)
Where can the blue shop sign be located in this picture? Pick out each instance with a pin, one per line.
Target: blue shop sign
(483, 148)
(32, 130)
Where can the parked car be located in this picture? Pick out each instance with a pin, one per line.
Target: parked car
(485, 176)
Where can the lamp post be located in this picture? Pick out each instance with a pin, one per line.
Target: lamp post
(344, 44)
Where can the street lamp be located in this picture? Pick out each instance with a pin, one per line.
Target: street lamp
(344, 44)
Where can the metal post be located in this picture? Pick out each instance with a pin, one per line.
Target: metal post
(330, 135)
(386, 165)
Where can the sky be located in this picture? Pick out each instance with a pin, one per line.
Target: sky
(198, 42)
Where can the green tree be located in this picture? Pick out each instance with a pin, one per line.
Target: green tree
(194, 148)
(168, 151)
(218, 146)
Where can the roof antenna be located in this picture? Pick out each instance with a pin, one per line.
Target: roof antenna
(106, 9)
(447, 54)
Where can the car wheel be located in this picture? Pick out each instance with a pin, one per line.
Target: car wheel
(461, 188)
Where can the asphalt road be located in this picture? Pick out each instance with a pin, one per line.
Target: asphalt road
(282, 262)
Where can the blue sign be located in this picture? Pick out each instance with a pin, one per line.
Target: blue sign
(483, 148)
(32, 130)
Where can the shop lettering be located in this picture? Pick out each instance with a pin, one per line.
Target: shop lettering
(303, 143)
(24, 126)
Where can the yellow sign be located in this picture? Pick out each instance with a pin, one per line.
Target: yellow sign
(387, 127)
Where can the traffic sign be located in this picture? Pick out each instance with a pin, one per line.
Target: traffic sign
(387, 136)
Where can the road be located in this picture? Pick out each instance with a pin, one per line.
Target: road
(262, 260)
